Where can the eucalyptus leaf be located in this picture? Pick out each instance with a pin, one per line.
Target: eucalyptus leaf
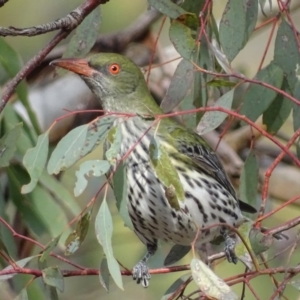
(104, 231)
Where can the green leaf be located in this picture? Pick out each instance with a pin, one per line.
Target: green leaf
(20, 263)
(176, 253)
(40, 211)
(179, 86)
(75, 239)
(114, 138)
(233, 28)
(120, 192)
(167, 7)
(175, 286)
(97, 132)
(95, 167)
(258, 98)
(53, 276)
(104, 231)
(166, 173)
(278, 112)
(221, 83)
(8, 145)
(22, 295)
(49, 247)
(35, 160)
(240, 248)
(104, 274)
(213, 119)
(295, 284)
(12, 63)
(249, 180)
(61, 193)
(286, 53)
(296, 107)
(85, 35)
(193, 6)
(209, 282)
(182, 36)
(68, 150)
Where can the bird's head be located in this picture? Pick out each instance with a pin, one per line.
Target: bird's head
(115, 80)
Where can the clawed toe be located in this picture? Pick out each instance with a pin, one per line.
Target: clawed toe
(140, 273)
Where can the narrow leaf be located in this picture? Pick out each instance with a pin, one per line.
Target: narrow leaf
(35, 160)
(286, 54)
(75, 239)
(49, 247)
(85, 35)
(67, 151)
(95, 167)
(104, 231)
(20, 263)
(53, 276)
(258, 98)
(240, 248)
(175, 286)
(182, 36)
(179, 86)
(8, 145)
(114, 138)
(166, 172)
(209, 283)
(120, 192)
(213, 119)
(167, 7)
(176, 253)
(249, 180)
(104, 274)
(22, 295)
(232, 28)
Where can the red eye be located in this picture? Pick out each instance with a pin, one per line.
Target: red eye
(114, 69)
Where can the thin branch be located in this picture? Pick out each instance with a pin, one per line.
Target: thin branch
(83, 10)
(67, 23)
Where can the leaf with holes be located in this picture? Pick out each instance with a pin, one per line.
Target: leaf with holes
(104, 231)
(209, 283)
(35, 160)
(75, 239)
(114, 138)
(8, 145)
(213, 119)
(53, 276)
(95, 167)
(166, 172)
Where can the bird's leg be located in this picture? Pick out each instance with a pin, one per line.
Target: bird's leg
(140, 271)
(229, 246)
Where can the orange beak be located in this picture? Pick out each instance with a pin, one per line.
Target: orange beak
(77, 65)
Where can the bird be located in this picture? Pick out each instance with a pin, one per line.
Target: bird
(209, 203)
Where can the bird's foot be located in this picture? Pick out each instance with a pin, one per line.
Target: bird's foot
(140, 273)
(229, 249)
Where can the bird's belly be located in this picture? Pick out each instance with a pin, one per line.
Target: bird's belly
(153, 216)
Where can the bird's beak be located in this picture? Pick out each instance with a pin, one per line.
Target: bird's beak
(77, 65)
